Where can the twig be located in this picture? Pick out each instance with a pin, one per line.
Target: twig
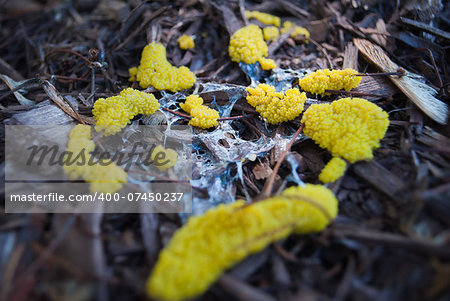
(324, 51)
(280, 41)
(353, 93)
(285, 254)
(376, 237)
(269, 184)
(68, 79)
(242, 291)
(441, 85)
(66, 51)
(400, 72)
(242, 11)
(21, 86)
(177, 113)
(7, 69)
(233, 117)
(92, 83)
(220, 69)
(433, 30)
(219, 119)
(140, 28)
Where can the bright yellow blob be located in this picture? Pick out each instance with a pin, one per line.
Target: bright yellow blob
(156, 71)
(211, 243)
(202, 116)
(276, 107)
(334, 169)
(169, 160)
(114, 113)
(186, 42)
(321, 80)
(271, 33)
(103, 178)
(298, 30)
(349, 128)
(247, 45)
(264, 18)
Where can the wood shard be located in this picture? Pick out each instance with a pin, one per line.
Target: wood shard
(350, 57)
(419, 93)
(381, 178)
(379, 86)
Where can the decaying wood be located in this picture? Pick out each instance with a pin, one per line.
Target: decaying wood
(421, 94)
(378, 86)
(43, 113)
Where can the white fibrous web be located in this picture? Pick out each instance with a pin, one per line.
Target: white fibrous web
(219, 154)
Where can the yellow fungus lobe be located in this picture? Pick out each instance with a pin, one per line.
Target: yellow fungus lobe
(186, 42)
(276, 107)
(349, 128)
(202, 116)
(164, 158)
(271, 33)
(321, 80)
(114, 113)
(106, 178)
(133, 72)
(298, 30)
(156, 71)
(213, 242)
(267, 64)
(264, 18)
(247, 45)
(334, 169)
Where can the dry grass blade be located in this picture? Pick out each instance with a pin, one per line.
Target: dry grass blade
(428, 28)
(421, 94)
(50, 90)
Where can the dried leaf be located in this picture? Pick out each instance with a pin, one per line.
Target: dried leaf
(13, 85)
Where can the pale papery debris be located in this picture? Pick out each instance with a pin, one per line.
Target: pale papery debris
(420, 93)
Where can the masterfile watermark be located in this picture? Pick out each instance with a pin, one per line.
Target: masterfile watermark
(55, 156)
(140, 169)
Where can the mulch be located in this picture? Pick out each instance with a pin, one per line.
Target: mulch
(391, 240)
